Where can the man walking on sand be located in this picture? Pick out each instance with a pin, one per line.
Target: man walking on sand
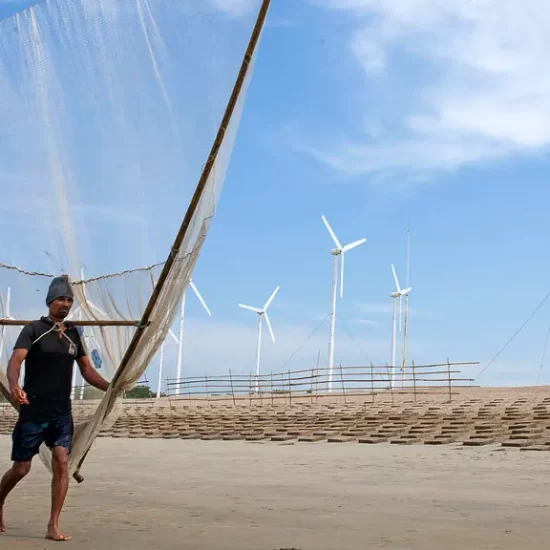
(49, 346)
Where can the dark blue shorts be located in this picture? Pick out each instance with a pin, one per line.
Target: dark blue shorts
(28, 436)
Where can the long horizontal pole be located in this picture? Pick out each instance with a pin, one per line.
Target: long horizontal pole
(82, 323)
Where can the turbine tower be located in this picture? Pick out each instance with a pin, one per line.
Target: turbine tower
(262, 312)
(180, 338)
(337, 252)
(399, 293)
(161, 361)
(406, 331)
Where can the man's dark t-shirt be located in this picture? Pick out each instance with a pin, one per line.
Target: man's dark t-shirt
(48, 369)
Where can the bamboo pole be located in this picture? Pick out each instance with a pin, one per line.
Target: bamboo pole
(78, 323)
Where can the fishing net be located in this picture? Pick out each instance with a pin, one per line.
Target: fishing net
(108, 113)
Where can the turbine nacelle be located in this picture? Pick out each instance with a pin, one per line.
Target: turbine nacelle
(399, 293)
(263, 311)
(340, 250)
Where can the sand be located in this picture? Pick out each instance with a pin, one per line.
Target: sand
(211, 495)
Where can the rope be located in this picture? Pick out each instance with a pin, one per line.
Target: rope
(303, 345)
(360, 346)
(105, 276)
(533, 313)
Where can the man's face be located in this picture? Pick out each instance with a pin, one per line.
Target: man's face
(60, 307)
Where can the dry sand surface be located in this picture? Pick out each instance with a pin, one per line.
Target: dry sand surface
(198, 495)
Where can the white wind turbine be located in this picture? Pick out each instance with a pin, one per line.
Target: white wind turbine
(262, 312)
(179, 340)
(399, 293)
(337, 252)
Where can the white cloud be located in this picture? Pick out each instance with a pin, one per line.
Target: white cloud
(235, 8)
(482, 91)
(374, 308)
(369, 323)
(380, 308)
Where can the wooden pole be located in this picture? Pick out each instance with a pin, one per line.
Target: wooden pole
(232, 390)
(78, 323)
(195, 200)
(449, 375)
(414, 379)
(343, 386)
(372, 380)
(289, 390)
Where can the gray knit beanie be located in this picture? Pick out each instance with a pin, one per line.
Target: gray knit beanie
(59, 288)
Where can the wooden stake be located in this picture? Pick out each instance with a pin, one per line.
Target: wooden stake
(232, 390)
(414, 379)
(449, 374)
(372, 380)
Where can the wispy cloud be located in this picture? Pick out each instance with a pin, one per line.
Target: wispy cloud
(369, 323)
(236, 8)
(280, 22)
(478, 90)
(374, 308)
(380, 308)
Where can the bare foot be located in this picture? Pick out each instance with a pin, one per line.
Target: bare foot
(55, 534)
(2, 524)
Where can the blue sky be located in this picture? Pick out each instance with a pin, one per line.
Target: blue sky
(384, 116)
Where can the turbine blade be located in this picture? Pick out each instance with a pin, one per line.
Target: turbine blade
(332, 234)
(174, 337)
(268, 322)
(201, 300)
(354, 244)
(395, 278)
(406, 291)
(271, 298)
(254, 309)
(342, 275)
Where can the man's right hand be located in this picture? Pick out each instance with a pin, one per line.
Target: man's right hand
(19, 396)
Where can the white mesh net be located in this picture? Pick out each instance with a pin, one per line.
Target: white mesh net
(108, 112)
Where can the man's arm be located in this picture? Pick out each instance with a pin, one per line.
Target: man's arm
(14, 372)
(90, 374)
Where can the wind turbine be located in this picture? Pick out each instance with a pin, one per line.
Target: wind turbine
(339, 251)
(399, 293)
(262, 312)
(180, 339)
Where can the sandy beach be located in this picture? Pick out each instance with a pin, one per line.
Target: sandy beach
(214, 495)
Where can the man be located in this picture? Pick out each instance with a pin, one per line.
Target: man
(49, 347)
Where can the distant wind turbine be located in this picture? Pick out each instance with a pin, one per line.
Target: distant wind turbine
(180, 336)
(337, 252)
(262, 312)
(399, 293)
